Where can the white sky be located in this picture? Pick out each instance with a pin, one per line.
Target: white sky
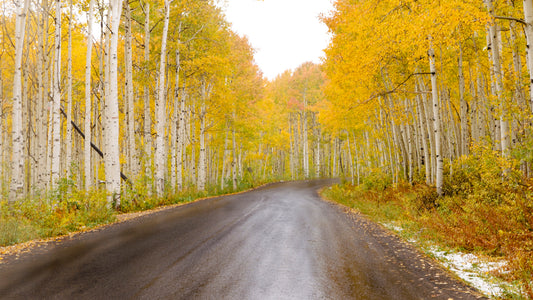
(285, 33)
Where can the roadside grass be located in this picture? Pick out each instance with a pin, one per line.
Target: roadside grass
(64, 210)
(67, 209)
(493, 220)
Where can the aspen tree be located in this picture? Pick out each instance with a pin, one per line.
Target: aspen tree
(181, 138)
(409, 144)
(132, 149)
(112, 153)
(2, 144)
(42, 82)
(234, 157)
(147, 115)
(317, 154)
(17, 165)
(55, 138)
(424, 135)
(26, 105)
(495, 44)
(68, 139)
(202, 159)
(528, 17)
(178, 122)
(88, 87)
(224, 157)
(464, 145)
(174, 126)
(436, 121)
(305, 144)
(292, 155)
(160, 110)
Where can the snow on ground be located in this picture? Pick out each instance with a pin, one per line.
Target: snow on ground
(469, 267)
(473, 270)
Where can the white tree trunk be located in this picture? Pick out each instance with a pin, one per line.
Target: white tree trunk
(160, 155)
(175, 121)
(40, 117)
(528, 17)
(436, 121)
(495, 46)
(68, 140)
(112, 154)
(465, 139)
(17, 180)
(2, 145)
(305, 146)
(424, 137)
(225, 155)
(317, 154)
(88, 133)
(147, 115)
(131, 145)
(202, 158)
(55, 153)
(234, 158)
(181, 140)
(292, 155)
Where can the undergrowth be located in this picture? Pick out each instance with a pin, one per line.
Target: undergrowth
(67, 209)
(487, 208)
(64, 210)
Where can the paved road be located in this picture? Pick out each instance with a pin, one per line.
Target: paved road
(278, 242)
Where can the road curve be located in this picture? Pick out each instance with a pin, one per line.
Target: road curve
(277, 242)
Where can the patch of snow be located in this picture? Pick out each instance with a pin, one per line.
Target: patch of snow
(469, 267)
(393, 227)
(473, 270)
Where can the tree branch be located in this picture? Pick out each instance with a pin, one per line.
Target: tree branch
(511, 19)
(124, 177)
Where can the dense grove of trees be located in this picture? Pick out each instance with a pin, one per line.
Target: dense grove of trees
(158, 88)
(160, 96)
(420, 85)
(163, 95)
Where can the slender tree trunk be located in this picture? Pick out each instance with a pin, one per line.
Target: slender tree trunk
(68, 140)
(2, 145)
(305, 146)
(202, 158)
(132, 149)
(26, 115)
(17, 180)
(317, 154)
(234, 157)
(160, 111)
(56, 93)
(225, 155)
(495, 46)
(88, 87)
(465, 138)
(428, 116)
(409, 143)
(424, 136)
(436, 122)
(41, 116)
(291, 146)
(112, 157)
(147, 114)
(181, 138)
(528, 17)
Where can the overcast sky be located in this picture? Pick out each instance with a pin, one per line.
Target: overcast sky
(285, 33)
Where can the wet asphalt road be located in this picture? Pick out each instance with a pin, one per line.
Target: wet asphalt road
(278, 242)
